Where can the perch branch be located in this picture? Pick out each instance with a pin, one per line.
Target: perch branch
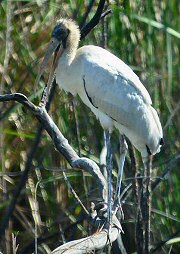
(94, 242)
(60, 142)
(62, 145)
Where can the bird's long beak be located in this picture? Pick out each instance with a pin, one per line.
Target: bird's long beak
(51, 48)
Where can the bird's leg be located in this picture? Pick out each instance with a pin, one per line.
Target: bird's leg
(123, 151)
(44, 97)
(146, 201)
(109, 173)
(46, 90)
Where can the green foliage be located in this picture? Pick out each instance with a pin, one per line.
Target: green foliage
(145, 35)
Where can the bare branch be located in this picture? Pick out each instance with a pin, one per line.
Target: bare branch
(60, 142)
(99, 240)
(94, 242)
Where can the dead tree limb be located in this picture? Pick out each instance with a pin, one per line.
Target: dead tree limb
(94, 242)
(60, 142)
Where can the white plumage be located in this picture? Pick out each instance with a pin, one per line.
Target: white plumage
(110, 89)
(106, 85)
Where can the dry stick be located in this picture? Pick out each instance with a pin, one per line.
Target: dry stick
(74, 193)
(79, 146)
(104, 33)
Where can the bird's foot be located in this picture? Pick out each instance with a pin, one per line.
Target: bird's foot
(102, 213)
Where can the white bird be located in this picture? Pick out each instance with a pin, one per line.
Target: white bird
(107, 86)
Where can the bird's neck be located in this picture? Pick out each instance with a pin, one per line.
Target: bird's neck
(70, 48)
(67, 56)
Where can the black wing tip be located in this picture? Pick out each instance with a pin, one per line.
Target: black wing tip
(161, 142)
(148, 150)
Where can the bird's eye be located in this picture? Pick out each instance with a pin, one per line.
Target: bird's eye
(56, 32)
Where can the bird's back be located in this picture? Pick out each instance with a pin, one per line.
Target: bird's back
(105, 62)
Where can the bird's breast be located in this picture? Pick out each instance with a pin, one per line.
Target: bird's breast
(67, 77)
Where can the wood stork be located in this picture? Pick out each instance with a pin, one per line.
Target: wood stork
(109, 88)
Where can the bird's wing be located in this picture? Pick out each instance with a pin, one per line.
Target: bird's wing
(108, 69)
(114, 88)
(120, 101)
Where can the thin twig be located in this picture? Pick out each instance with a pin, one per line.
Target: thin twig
(165, 171)
(172, 115)
(79, 145)
(74, 193)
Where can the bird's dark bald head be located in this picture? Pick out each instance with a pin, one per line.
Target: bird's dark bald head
(60, 32)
